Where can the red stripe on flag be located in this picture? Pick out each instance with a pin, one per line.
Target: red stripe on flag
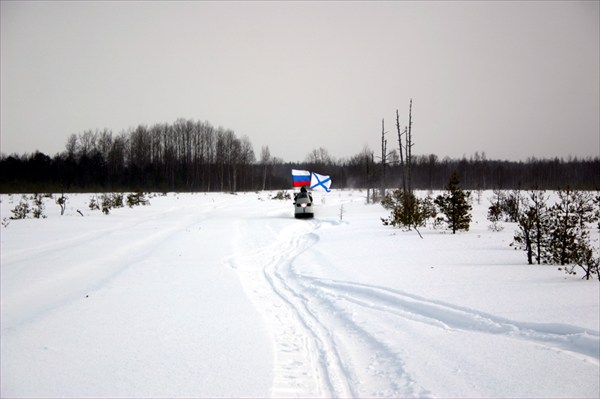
(301, 183)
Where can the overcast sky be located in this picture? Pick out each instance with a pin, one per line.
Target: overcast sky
(511, 79)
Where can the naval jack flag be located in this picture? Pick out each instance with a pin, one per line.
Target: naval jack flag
(320, 182)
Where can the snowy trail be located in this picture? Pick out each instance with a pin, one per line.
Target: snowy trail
(335, 338)
(319, 348)
(299, 363)
(317, 352)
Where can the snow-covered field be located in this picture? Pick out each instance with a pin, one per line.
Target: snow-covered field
(206, 295)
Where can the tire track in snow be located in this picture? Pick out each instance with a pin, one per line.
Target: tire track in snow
(318, 351)
(318, 347)
(323, 344)
(577, 340)
(303, 365)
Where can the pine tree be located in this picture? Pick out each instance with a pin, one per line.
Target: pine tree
(523, 238)
(541, 223)
(532, 221)
(495, 211)
(38, 206)
(137, 198)
(455, 205)
(568, 231)
(21, 210)
(407, 210)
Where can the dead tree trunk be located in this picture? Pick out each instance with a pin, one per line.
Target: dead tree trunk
(409, 145)
(401, 152)
(383, 158)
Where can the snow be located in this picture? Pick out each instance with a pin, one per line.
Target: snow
(212, 295)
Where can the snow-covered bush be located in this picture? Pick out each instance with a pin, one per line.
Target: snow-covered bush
(38, 206)
(22, 210)
(109, 201)
(94, 204)
(282, 195)
(137, 198)
(494, 214)
(62, 202)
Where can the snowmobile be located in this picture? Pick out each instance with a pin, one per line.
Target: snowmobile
(303, 204)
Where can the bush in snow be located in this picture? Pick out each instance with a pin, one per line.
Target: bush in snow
(117, 200)
(504, 207)
(62, 202)
(510, 205)
(568, 230)
(407, 210)
(282, 195)
(38, 206)
(559, 234)
(494, 214)
(587, 261)
(22, 210)
(569, 243)
(137, 198)
(454, 205)
(94, 204)
(110, 201)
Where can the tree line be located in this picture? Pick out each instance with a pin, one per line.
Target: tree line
(190, 155)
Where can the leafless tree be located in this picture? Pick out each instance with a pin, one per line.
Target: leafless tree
(265, 161)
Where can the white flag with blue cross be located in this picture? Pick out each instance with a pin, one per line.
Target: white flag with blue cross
(320, 182)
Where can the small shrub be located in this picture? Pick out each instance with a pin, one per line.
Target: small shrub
(495, 227)
(109, 201)
(62, 202)
(94, 204)
(282, 195)
(137, 198)
(407, 210)
(38, 206)
(22, 210)
(117, 200)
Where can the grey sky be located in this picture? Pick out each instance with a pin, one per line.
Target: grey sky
(513, 79)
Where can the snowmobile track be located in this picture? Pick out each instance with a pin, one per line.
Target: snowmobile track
(450, 317)
(314, 343)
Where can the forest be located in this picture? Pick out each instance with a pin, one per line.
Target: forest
(194, 156)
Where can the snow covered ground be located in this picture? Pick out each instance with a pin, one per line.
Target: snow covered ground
(206, 295)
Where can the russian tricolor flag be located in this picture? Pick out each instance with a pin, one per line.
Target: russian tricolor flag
(300, 177)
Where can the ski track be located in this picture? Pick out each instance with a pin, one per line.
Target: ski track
(320, 350)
